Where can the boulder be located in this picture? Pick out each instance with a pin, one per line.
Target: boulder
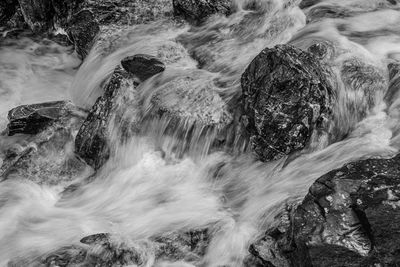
(198, 10)
(93, 140)
(44, 154)
(38, 14)
(287, 97)
(347, 217)
(82, 30)
(143, 66)
(7, 10)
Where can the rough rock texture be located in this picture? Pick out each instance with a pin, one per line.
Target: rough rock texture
(129, 12)
(347, 218)
(363, 82)
(7, 10)
(64, 9)
(32, 119)
(143, 66)
(93, 139)
(394, 82)
(199, 10)
(107, 250)
(38, 14)
(82, 31)
(287, 96)
(192, 99)
(45, 156)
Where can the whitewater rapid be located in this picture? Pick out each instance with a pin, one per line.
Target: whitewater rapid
(142, 192)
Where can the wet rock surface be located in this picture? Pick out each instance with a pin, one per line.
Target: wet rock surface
(107, 250)
(7, 10)
(199, 10)
(143, 66)
(346, 219)
(44, 154)
(82, 31)
(287, 96)
(38, 14)
(32, 119)
(65, 9)
(93, 139)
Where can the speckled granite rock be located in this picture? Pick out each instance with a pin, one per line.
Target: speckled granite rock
(287, 96)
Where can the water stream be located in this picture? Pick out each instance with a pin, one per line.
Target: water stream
(142, 192)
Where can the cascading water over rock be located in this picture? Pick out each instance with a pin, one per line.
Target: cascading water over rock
(152, 156)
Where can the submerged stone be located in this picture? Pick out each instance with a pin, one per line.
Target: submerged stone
(82, 29)
(143, 66)
(287, 98)
(199, 10)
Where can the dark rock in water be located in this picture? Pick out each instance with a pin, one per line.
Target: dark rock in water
(287, 96)
(32, 119)
(82, 30)
(93, 139)
(7, 10)
(320, 12)
(38, 14)
(45, 156)
(308, 3)
(143, 66)
(347, 217)
(199, 10)
(64, 9)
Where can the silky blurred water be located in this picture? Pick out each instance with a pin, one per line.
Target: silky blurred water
(142, 192)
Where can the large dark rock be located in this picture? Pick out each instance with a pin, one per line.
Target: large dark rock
(44, 154)
(7, 10)
(348, 217)
(199, 10)
(287, 97)
(82, 31)
(93, 139)
(143, 66)
(38, 14)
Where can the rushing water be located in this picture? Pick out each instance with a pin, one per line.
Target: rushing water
(142, 192)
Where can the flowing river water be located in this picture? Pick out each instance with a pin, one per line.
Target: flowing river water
(142, 192)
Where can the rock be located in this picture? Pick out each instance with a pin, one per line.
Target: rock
(287, 96)
(32, 119)
(7, 10)
(394, 82)
(363, 83)
(192, 99)
(347, 217)
(129, 12)
(64, 9)
(93, 139)
(38, 14)
(143, 66)
(82, 30)
(107, 250)
(199, 10)
(45, 156)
